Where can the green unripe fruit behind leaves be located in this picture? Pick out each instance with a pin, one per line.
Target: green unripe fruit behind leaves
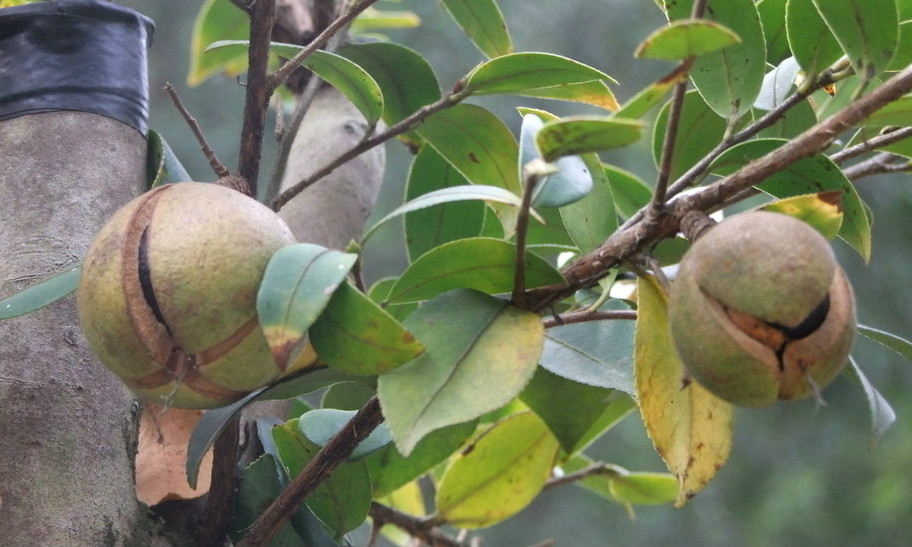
(760, 310)
(167, 297)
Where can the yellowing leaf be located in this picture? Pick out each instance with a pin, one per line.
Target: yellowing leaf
(690, 428)
(498, 475)
(822, 210)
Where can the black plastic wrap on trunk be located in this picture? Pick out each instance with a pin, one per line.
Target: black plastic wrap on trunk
(86, 55)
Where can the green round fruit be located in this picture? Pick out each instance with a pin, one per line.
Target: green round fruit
(167, 296)
(760, 310)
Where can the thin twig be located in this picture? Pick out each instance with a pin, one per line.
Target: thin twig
(406, 124)
(256, 103)
(242, 5)
(871, 144)
(880, 164)
(671, 135)
(531, 174)
(420, 528)
(336, 451)
(217, 166)
(284, 72)
(605, 469)
(583, 316)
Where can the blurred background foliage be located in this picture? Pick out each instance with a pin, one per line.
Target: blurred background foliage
(798, 475)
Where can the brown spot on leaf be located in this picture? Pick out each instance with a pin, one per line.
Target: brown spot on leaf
(473, 158)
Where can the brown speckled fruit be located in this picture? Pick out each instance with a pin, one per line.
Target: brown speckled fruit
(167, 297)
(760, 310)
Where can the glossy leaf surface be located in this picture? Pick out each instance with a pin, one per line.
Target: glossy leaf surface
(685, 38)
(483, 23)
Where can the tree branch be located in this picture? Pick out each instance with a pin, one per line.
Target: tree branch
(219, 511)
(880, 164)
(671, 135)
(256, 103)
(421, 528)
(531, 174)
(217, 166)
(871, 144)
(406, 124)
(336, 451)
(583, 316)
(606, 469)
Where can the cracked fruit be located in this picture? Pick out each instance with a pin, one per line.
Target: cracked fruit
(167, 297)
(760, 310)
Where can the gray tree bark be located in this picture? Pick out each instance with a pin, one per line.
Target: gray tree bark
(67, 425)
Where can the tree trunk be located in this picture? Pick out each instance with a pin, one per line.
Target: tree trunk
(67, 425)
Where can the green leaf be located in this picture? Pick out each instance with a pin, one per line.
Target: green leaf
(813, 45)
(407, 80)
(390, 470)
(297, 285)
(519, 72)
(898, 112)
(686, 38)
(217, 20)
(903, 57)
(728, 79)
(699, 131)
(590, 221)
(355, 335)
(596, 353)
(581, 134)
(772, 18)
(41, 294)
(379, 293)
(867, 30)
(452, 194)
(347, 395)
(811, 175)
(648, 97)
(595, 92)
(322, 424)
(572, 179)
(630, 192)
(429, 228)
(483, 23)
(796, 121)
(499, 475)
(575, 413)
(342, 501)
(374, 19)
(644, 488)
(162, 165)
(214, 421)
(351, 80)
(823, 210)
(475, 361)
(882, 414)
(690, 427)
(259, 487)
(480, 263)
(777, 85)
(889, 340)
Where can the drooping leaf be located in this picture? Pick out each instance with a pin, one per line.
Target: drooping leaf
(582, 134)
(217, 20)
(575, 413)
(322, 424)
(595, 92)
(596, 353)
(477, 192)
(571, 180)
(355, 335)
(777, 85)
(476, 361)
(811, 41)
(628, 488)
(41, 294)
(390, 470)
(772, 18)
(647, 98)
(811, 175)
(867, 30)
(342, 501)
(823, 210)
(728, 79)
(407, 80)
(520, 72)
(480, 263)
(162, 165)
(887, 339)
(429, 228)
(483, 23)
(882, 414)
(630, 192)
(351, 80)
(297, 285)
(503, 471)
(214, 421)
(685, 38)
(375, 19)
(699, 130)
(690, 427)
(590, 220)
